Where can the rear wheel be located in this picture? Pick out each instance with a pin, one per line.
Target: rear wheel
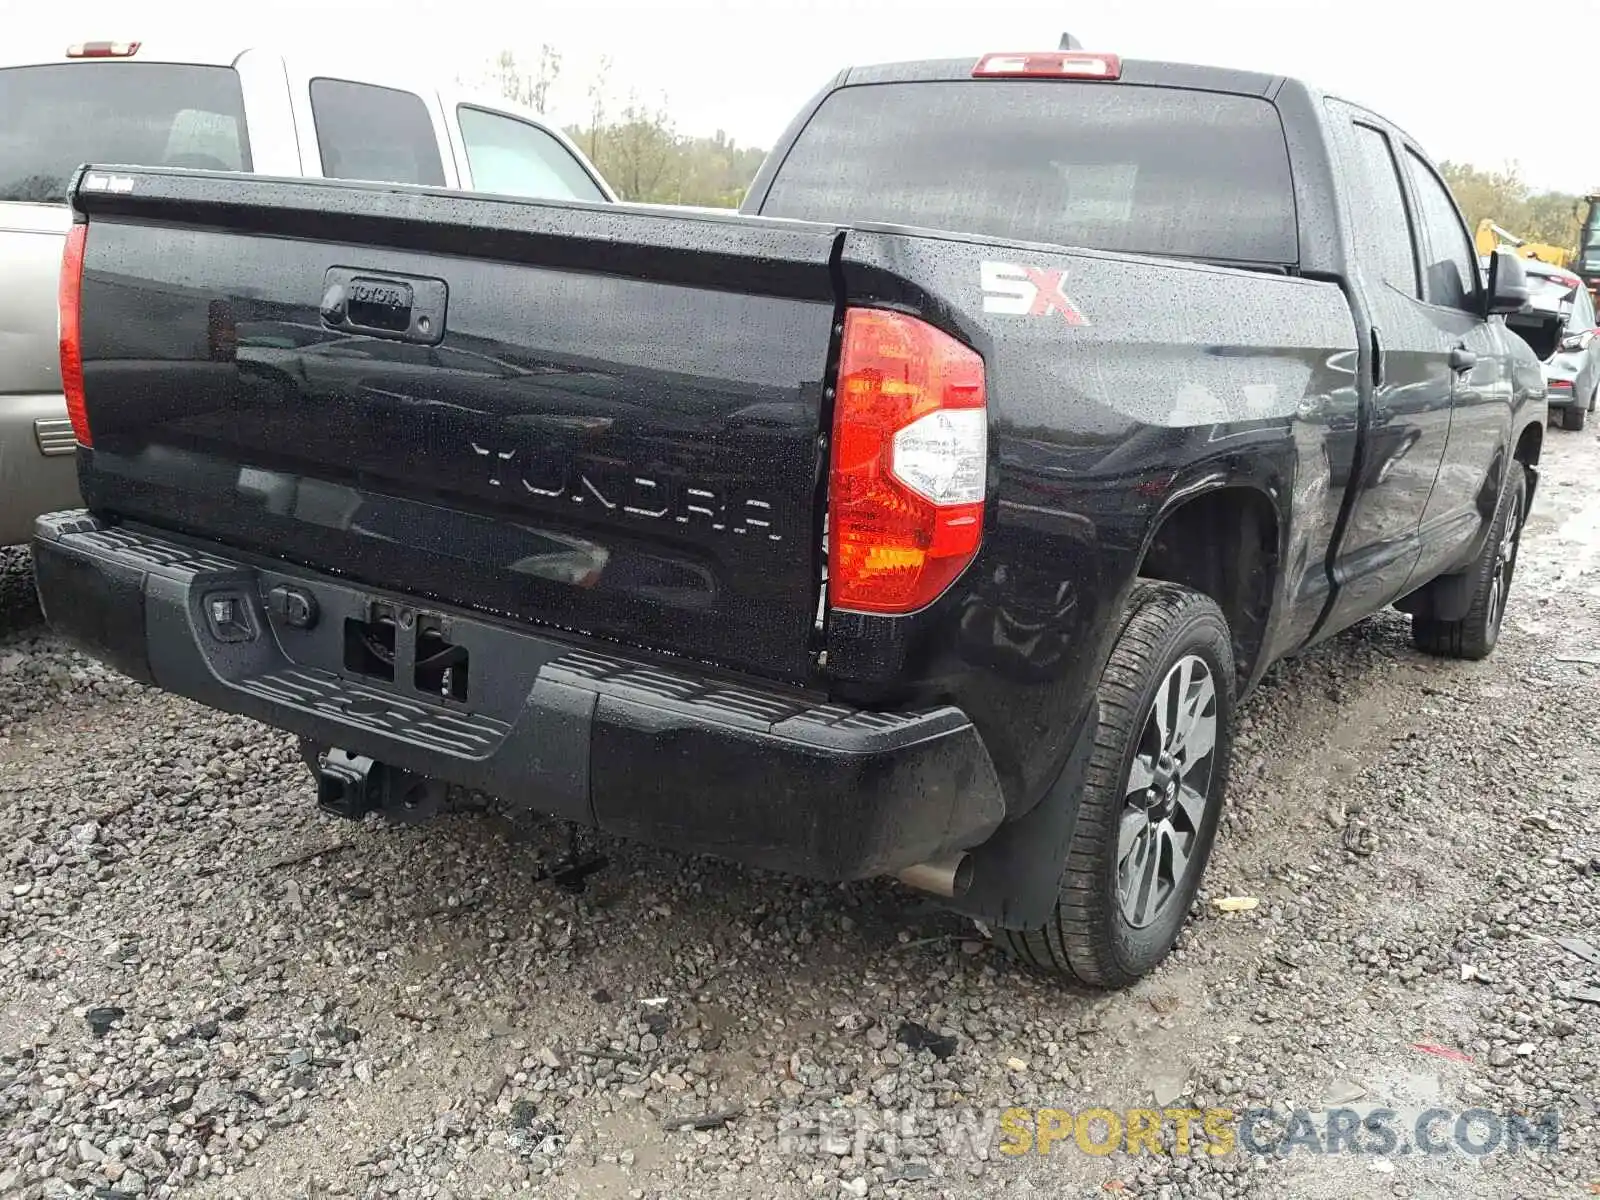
(1152, 794)
(1475, 635)
(1573, 417)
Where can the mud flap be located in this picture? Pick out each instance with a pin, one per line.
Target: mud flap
(1016, 874)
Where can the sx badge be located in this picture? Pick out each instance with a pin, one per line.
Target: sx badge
(1018, 290)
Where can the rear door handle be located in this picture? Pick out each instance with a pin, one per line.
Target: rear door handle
(1462, 360)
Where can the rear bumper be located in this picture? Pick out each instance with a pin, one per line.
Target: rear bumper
(674, 756)
(38, 469)
(1562, 397)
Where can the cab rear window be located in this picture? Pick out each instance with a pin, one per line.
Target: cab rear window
(61, 115)
(1152, 170)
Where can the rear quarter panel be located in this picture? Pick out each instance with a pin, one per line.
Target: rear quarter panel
(1134, 387)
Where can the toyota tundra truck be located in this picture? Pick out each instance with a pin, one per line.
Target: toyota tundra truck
(927, 518)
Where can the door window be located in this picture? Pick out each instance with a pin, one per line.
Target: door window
(1450, 265)
(517, 158)
(1382, 229)
(376, 133)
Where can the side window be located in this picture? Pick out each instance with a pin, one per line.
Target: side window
(1383, 230)
(1450, 266)
(375, 133)
(514, 158)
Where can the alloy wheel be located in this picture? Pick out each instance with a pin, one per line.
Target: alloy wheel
(1504, 564)
(1167, 793)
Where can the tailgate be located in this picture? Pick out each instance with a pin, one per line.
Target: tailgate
(601, 420)
(31, 236)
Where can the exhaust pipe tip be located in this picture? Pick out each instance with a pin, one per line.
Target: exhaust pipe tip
(948, 877)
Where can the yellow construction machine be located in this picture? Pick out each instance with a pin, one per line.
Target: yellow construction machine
(1490, 237)
(1584, 258)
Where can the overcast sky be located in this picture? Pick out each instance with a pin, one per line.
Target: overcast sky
(745, 65)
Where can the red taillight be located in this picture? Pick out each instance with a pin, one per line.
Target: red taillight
(103, 50)
(906, 485)
(71, 333)
(1051, 64)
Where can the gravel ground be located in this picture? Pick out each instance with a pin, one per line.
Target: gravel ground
(208, 989)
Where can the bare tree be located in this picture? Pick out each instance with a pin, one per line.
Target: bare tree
(530, 90)
(545, 77)
(599, 87)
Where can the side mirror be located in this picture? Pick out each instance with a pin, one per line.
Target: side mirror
(1508, 283)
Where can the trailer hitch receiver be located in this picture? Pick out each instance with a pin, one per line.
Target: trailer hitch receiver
(353, 785)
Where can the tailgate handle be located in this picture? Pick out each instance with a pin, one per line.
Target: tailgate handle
(406, 308)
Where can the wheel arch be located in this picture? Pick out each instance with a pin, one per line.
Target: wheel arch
(1182, 547)
(1529, 445)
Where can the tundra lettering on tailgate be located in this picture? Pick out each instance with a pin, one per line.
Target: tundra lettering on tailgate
(610, 488)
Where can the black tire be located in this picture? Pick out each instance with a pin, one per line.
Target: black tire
(1573, 417)
(1475, 635)
(1091, 939)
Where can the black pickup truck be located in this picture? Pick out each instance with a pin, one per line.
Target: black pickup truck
(928, 518)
